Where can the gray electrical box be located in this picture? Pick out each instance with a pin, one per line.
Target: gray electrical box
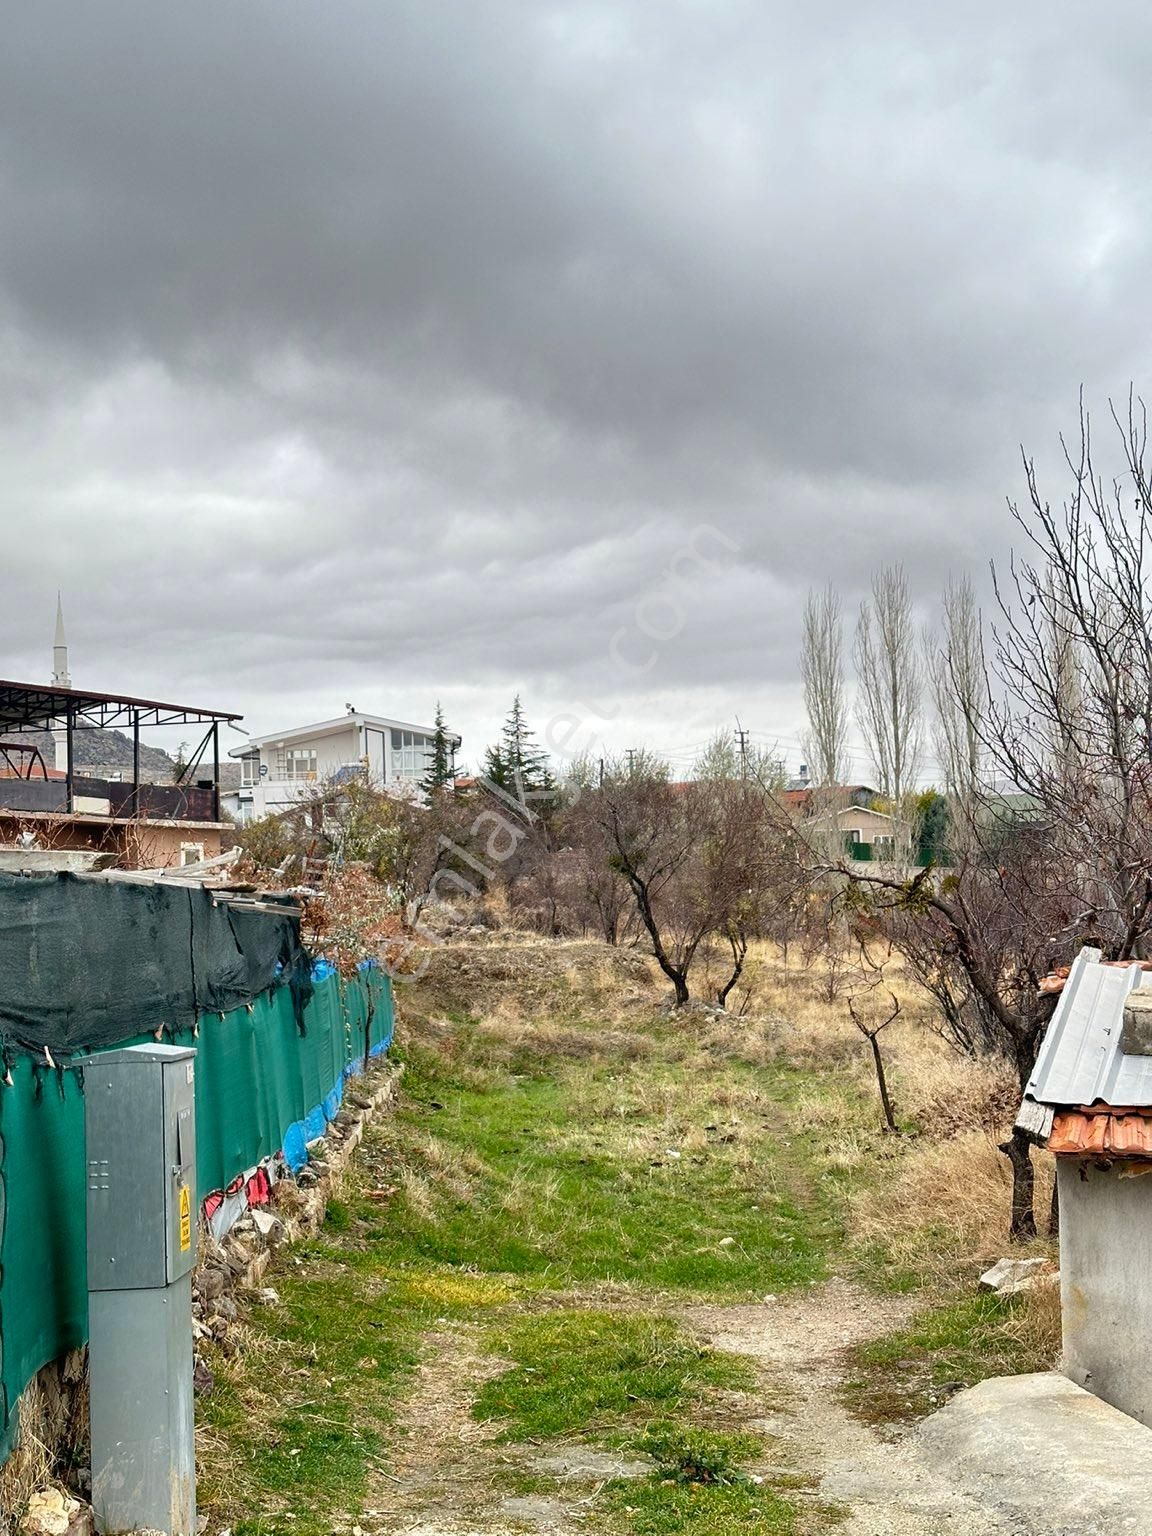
(140, 1110)
(140, 1105)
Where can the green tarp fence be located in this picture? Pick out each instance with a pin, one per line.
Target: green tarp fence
(263, 1087)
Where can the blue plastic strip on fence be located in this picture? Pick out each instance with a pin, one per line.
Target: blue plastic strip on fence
(295, 1147)
(298, 1135)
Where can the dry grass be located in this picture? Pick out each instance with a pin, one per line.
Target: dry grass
(437, 1171)
(1036, 1322)
(934, 1199)
(941, 1212)
(942, 1193)
(28, 1468)
(53, 1419)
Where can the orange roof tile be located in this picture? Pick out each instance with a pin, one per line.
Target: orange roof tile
(1055, 979)
(1104, 1131)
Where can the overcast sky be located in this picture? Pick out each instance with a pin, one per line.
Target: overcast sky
(393, 350)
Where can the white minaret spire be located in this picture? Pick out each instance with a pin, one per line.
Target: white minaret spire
(60, 678)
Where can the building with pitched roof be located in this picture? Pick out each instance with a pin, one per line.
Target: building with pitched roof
(1089, 1101)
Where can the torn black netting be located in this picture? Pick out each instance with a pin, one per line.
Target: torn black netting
(86, 962)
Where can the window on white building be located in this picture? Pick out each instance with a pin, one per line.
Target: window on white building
(249, 771)
(410, 754)
(300, 765)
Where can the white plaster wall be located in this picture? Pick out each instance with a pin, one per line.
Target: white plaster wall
(1106, 1283)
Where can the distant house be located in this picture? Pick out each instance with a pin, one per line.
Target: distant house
(864, 832)
(803, 796)
(1089, 1101)
(284, 768)
(868, 834)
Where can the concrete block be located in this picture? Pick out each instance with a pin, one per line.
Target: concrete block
(270, 1228)
(1136, 1031)
(1045, 1452)
(1009, 1275)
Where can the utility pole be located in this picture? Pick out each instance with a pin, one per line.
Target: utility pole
(742, 748)
(631, 756)
(601, 773)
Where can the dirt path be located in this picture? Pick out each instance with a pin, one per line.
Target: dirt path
(452, 1474)
(445, 1459)
(883, 1484)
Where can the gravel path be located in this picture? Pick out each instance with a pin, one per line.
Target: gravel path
(885, 1485)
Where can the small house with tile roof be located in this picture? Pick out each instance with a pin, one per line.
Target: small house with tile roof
(1089, 1101)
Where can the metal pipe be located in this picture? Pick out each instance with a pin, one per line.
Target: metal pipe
(136, 764)
(215, 770)
(69, 774)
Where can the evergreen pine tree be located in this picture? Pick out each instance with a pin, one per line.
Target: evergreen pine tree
(516, 761)
(439, 775)
(495, 768)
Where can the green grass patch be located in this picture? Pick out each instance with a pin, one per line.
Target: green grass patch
(665, 1507)
(584, 1175)
(909, 1373)
(307, 1408)
(338, 1216)
(590, 1372)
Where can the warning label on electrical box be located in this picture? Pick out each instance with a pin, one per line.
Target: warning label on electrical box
(185, 1219)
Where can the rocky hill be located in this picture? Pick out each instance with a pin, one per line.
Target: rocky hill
(104, 750)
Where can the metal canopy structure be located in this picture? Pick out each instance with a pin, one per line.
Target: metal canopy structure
(34, 706)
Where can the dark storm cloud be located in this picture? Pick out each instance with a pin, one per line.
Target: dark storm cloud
(391, 351)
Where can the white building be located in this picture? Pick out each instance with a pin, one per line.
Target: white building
(282, 769)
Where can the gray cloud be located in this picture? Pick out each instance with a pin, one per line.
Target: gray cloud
(391, 352)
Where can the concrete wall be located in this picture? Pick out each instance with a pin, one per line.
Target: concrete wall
(1106, 1283)
(140, 844)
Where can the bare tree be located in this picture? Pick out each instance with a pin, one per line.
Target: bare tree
(723, 758)
(888, 705)
(1070, 722)
(1063, 856)
(598, 894)
(955, 668)
(701, 861)
(871, 1029)
(822, 672)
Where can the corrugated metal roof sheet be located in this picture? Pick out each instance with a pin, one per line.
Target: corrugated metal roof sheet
(1080, 1060)
(1081, 1134)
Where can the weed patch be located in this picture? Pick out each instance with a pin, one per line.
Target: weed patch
(691, 1455)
